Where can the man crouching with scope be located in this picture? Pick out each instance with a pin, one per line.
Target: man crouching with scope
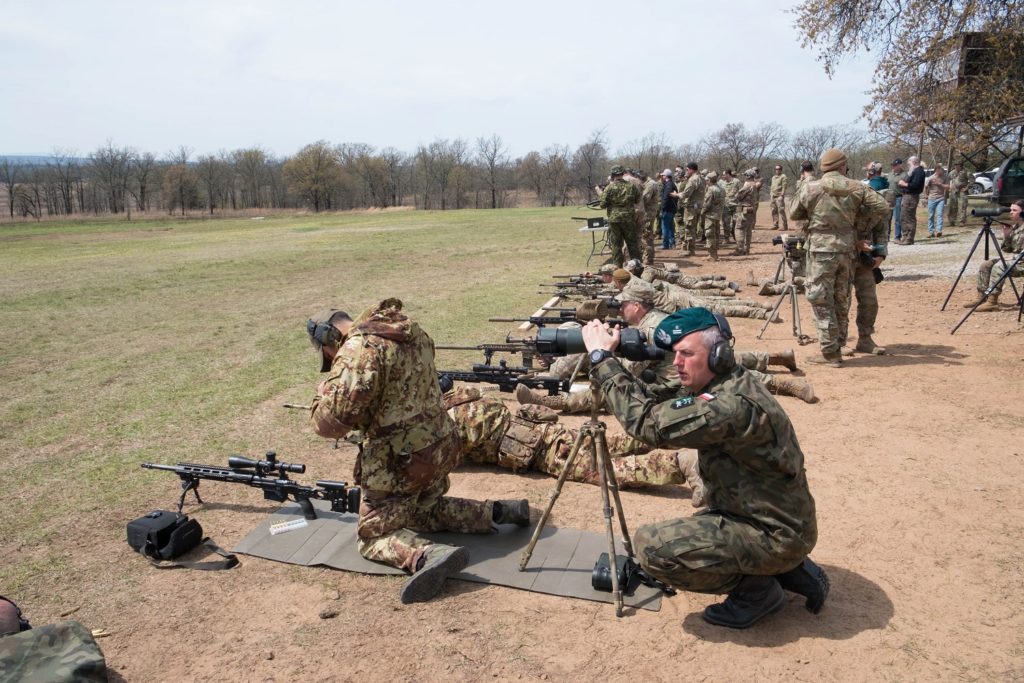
(754, 538)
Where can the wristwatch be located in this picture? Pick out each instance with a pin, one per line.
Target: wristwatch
(598, 356)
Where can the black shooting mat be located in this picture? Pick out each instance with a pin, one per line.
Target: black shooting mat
(561, 564)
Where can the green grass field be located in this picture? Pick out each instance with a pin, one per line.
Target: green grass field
(125, 342)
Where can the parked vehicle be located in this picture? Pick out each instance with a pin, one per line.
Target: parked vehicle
(982, 183)
(1008, 183)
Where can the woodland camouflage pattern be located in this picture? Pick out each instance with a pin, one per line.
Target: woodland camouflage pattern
(65, 651)
(619, 199)
(383, 383)
(760, 518)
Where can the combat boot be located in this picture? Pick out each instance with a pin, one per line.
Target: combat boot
(767, 288)
(991, 304)
(831, 360)
(733, 285)
(808, 580)
(525, 396)
(687, 461)
(753, 599)
(436, 564)
(793, 386)
(751, 280)
(979, 300)
(511, 512)
(866, 344)
(786, 359)
(766, 314)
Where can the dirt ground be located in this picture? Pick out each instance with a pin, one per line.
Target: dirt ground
(914, 459)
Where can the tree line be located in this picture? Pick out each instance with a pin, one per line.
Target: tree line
(444, 174)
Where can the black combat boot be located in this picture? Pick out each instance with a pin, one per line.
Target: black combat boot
(436, 565)
(511, 512)
(754, 598)
(808, 580)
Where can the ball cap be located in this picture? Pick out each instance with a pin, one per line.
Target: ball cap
(638, 290)
(681, 323)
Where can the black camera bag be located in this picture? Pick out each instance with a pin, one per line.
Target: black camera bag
(164, 535)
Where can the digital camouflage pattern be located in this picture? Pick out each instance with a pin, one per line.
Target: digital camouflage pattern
(761, 516)
(619, 199)
(484, 424)
(383, 383)
(714, 204)
(836, 209)
(54, 653)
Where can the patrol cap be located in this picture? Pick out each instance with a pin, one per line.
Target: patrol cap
(315, 328)
(607, 269)
(617, 170)
(680, 324)
(622, 275)
(638, 290)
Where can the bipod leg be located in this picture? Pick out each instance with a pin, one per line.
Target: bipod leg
(771, 314)
(186, 486)
(985, 230)
(596, 444)
(584, 433)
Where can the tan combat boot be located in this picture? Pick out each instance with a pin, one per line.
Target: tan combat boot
(991, 304)
(751, 280)
(786, 359)
(793, 386)
(766, 314)
(833, 361)
(526, 396)
(767, 288)
(687, 461)
(866, 344)
(979, 300)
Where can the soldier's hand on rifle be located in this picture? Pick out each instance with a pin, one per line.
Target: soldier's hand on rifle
(597, 335)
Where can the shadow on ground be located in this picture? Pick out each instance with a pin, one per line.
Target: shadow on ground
(908, 354)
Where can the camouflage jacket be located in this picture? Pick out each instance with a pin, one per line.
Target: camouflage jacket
(731, 188)
(1014, 242)
(959, 182)
(652, 196)
(692, 194)
(384, 384)
(779, 184)
(620, 198)
(750, 460)
(874, 226)
(747, 195)
(832, 206)
(714, 201)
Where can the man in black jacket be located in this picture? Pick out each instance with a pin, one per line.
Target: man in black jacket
(668, 210)
(912, 188)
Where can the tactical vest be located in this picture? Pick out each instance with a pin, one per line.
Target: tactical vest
(524, 440)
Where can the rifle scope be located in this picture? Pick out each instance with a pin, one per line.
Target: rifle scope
(238, 462)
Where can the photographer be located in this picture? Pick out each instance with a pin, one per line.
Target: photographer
(753, 540)
(993, 269)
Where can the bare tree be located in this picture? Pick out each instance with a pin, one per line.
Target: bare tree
(145, 176)
(213, 174)
(590, 161)
(650, 153)
(493, 156)
(251, 167)
(810, 143)
(10, 172)
(64, 167)
(111, 169)
(313, 174)
(767, 142)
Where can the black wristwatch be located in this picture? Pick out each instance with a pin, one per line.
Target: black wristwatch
(598, 356)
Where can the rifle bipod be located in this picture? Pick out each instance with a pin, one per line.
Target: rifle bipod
(591, 433)
(790, 290)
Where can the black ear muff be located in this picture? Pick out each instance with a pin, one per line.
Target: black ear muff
(323, 333)
(721, 357)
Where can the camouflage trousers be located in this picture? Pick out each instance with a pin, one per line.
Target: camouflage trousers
(753, 360)
(746, 229)
(732, 309)
(713, 225)
(729, 222)
(769, 288)
(710, 552)
(993, 269)
(645, 237)
(690, 229)
(622, 232)
(908, 216)
(956, 207)
(64, 651)
(388, 524)
(828, 293)
(867, 300)
(779, 209)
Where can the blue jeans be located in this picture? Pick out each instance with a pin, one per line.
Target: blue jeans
(896, 215)
(935, 211)
(668, 237)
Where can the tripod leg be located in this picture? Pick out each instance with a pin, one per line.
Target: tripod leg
(1002, 257)
(524, 559)
(602, 476)
(771, 314)
(613, 486)
(967, 260)
(991, 288)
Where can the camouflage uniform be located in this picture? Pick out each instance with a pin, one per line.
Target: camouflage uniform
(778, 195)
(690, 200)
(832, 206)
(874, 229)
(732, 187)
(959, 184)
(671, 298)
(65, 651)
(652, 200)
(746, 200)
(620, 198)
(760, 518)
(993, 269)
(676, 277)
(714, 201)
(532, 439)
(383, 383)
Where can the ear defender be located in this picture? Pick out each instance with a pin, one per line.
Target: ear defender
(721, 358)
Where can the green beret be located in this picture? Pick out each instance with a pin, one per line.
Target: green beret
(681, 323)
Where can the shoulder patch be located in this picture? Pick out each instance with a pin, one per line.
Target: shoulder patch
(706, 396)
(682, 402)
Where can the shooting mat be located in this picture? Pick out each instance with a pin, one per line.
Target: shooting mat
(560, 565)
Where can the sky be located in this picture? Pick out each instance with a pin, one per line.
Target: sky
(216, 75)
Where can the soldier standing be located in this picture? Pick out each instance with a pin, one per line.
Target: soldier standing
(688, 209)
(711, 213)
(753, 541)
(383, 383)
(959, 183)
(871, 247)
(732, 186)
(832, 206)
(778, 197)
(746, 202)
(620, 198)
(896, 202)
(652, 216)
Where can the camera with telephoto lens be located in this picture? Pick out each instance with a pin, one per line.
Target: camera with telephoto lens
(632, 344)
